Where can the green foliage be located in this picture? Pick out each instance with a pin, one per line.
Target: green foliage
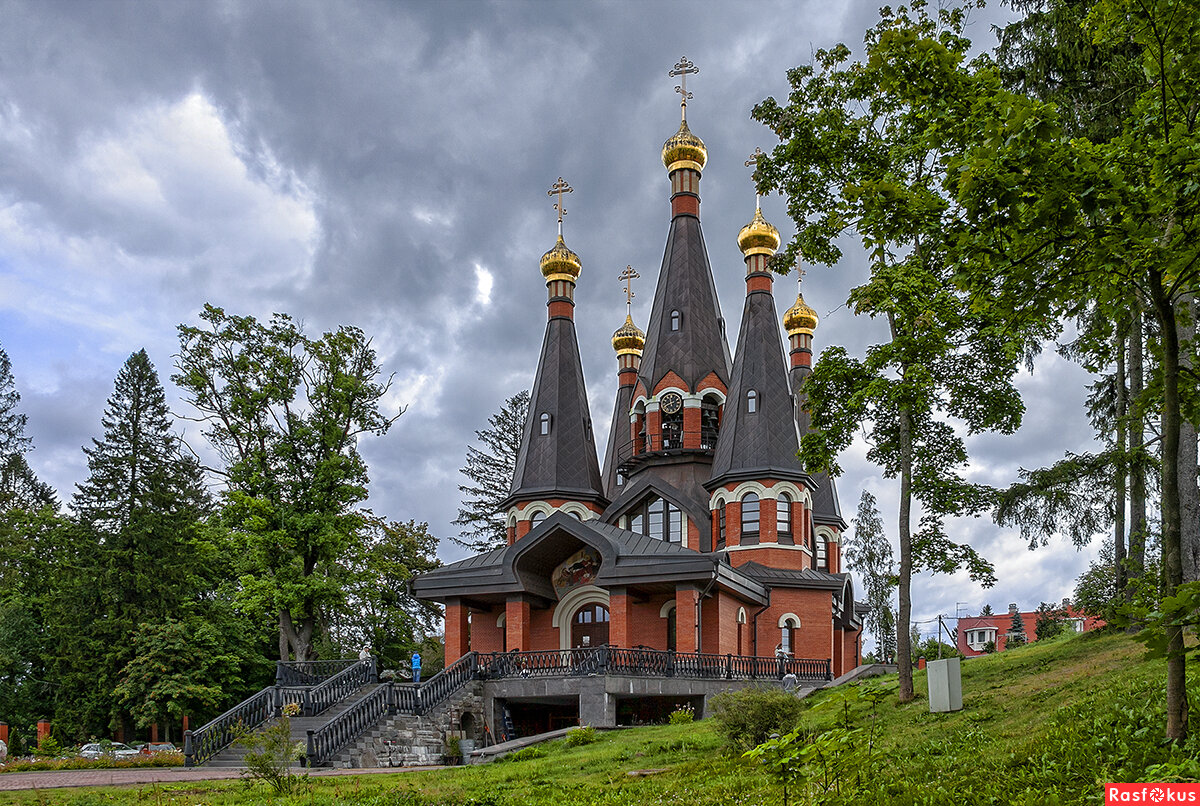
(1016, 631)
(51, 763)
(1051, 621)
(490, 471)
(270, 754)
(285, 412)
(526, 754)
(748, 717)
(869, 553)
(585, 734)
(452, 750)
(838, 761)
(683, 715)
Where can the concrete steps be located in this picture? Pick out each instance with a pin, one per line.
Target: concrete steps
(234, 755)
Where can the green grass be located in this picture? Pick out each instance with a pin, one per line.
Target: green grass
(1047, 723)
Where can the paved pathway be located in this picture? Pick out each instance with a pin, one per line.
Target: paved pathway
(151, 775)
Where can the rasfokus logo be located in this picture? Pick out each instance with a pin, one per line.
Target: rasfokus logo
(1152, 793)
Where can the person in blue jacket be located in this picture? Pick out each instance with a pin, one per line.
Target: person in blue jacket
(416, 667)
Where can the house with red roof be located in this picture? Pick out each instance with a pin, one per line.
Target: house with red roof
(975, 633)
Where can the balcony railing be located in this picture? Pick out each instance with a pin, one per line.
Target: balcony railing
(648, 663)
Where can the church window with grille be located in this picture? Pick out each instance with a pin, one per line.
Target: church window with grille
(750, 518)
(783, 517)
(544, 422)
(822, 554)
(752, 401)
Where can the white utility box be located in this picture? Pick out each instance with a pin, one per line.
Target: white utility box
(945, 684)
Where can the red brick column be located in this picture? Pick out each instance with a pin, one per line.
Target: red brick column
(43, 731)
(691, 428)
(619, 627)
(839, 644)
(653, 430)
(4, 732)
(458, 640)
(516, 626)
(685, 618)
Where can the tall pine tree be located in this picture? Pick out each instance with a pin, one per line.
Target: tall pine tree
(143, 504)
(491, 472)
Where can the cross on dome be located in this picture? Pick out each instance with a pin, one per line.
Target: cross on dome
(754, 158)
(560, 187)
(682, 69)
(629, 275)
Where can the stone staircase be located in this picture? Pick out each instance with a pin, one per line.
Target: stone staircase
(407, 740)
(234, 754)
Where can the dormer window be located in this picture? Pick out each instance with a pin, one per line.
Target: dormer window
(676, 319)
(544, 421)
(752, 401)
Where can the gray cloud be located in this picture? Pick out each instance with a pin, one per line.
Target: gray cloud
(361, 163)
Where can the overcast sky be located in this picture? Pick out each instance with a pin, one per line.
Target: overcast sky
(386, 165)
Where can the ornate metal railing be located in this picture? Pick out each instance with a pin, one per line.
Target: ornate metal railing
(347, 726)
(335, 689)
(203, 743)
(310, 672)
(410, 698)
(648, 663)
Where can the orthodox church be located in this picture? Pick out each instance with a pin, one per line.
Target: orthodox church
(701, 532)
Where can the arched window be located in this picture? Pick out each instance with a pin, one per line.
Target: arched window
(750, 518)
(721, 527)
(752, 401)
(544, 420)
(658, 518)
(787, 635)
(822, 554)
(783, 517)
(676, 319)
(710, 422)
(537, 518)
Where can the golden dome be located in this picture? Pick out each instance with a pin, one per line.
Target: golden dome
(800, 318)
(560, 263)
(758, 237)
(684, 150)
(629, 338)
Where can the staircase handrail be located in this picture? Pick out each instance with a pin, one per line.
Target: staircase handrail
(309, 672)
(444, 684)
(328, 692)
(206, 741)
(347, 726)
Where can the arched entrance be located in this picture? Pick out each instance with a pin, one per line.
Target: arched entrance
(589, 626)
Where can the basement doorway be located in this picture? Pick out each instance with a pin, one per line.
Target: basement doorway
(633, 711)
(531, 718)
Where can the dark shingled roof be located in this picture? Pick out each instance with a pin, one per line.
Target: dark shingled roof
(685, 284)
(620, 443)
(826, 508)
(760, 444)
(562, 463)
(785, 577)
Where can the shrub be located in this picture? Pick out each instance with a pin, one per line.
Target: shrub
(683, 715)
(526, 754)
(747, 718)
(581, 736)
(270, 753)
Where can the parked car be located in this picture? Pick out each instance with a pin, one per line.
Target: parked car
(97, 750)
(162, 747)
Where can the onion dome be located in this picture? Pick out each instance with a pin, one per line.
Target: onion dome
(629, 338)
(800, 318)
(560, 263)
(758, 237)
(684, 150)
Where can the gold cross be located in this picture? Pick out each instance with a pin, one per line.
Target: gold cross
(754, 158)
(560, 187)
(682, 69)
(629, 275)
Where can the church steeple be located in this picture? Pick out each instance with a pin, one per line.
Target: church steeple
(758, 435)
(628, 341)
(556, 467)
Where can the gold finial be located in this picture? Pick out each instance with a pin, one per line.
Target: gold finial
(560, 187)
(629, 275)
(800, 318)
(682, 69)
(754, 158)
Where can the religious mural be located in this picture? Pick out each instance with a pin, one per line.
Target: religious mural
(578, 569)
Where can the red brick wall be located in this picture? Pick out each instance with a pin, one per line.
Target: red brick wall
(619, 615)
(456, 632)
(850, 651)
(711, 381)
(814, 608)
(485, 635)
(685, 619)
(518, 634)
(670, 381)
(691, 428)
(771, 555)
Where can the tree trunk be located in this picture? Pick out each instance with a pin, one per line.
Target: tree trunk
(297, 642)
(1122, 469)
(1172, 577)
(1189, 493)
(1137, 436)
(903, 637)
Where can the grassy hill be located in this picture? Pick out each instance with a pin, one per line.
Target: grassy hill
(1043, 724)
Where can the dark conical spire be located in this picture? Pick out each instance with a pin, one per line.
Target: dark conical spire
(758, 433)
(558, 449)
